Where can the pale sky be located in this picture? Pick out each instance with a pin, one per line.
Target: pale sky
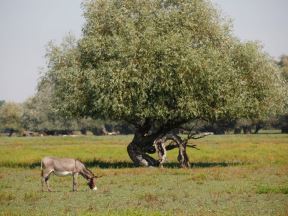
(26, 26)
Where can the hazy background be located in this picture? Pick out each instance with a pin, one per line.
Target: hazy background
(27, 26)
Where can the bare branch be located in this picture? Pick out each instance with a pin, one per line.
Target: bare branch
(192, 146)
(199, 135)
(177, 142)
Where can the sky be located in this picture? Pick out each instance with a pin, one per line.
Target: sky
(27, 26)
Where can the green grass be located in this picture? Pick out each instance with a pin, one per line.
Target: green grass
(264, 189)
(231, 175)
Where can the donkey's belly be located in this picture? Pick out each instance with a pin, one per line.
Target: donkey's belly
(63, 173)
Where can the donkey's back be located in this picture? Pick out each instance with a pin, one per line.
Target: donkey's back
(58, 165)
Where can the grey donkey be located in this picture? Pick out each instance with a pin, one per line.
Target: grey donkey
(64, 167)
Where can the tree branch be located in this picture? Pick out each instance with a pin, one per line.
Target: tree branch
(192, 146)
(198, 135)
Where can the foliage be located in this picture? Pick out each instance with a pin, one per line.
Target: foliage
(40, 115)
(10, 117)
(283, 63)
(283, 119)
(165, 62)
(2, 102)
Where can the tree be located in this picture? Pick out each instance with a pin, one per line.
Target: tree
(39, 115)
(10, 117)
(158, 65)
(2, 102)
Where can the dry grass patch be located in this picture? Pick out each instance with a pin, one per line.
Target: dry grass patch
(6, 197)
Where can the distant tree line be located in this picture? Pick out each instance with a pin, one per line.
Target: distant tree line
(36, 117)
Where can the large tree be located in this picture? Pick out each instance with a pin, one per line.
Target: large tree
(158, 64)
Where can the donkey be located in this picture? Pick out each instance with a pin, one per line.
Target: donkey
(64, 167)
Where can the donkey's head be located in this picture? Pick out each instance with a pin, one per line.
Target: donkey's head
(92, 183)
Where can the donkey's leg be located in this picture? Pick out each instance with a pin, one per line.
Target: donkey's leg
(42, 180)
(45, 177)
(75, 175)
(47, 184)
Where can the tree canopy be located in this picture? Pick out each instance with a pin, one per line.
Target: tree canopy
(158, 64)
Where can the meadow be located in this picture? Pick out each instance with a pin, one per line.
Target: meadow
(230, 175)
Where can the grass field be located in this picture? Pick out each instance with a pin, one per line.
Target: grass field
(231, 175)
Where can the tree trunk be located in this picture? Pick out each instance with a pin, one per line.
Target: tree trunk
(237, 130)
(258, 127)
(284, 129)
(247, 129)
(10, 132)
(143, 144)
(181, 144)
(138, 149)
